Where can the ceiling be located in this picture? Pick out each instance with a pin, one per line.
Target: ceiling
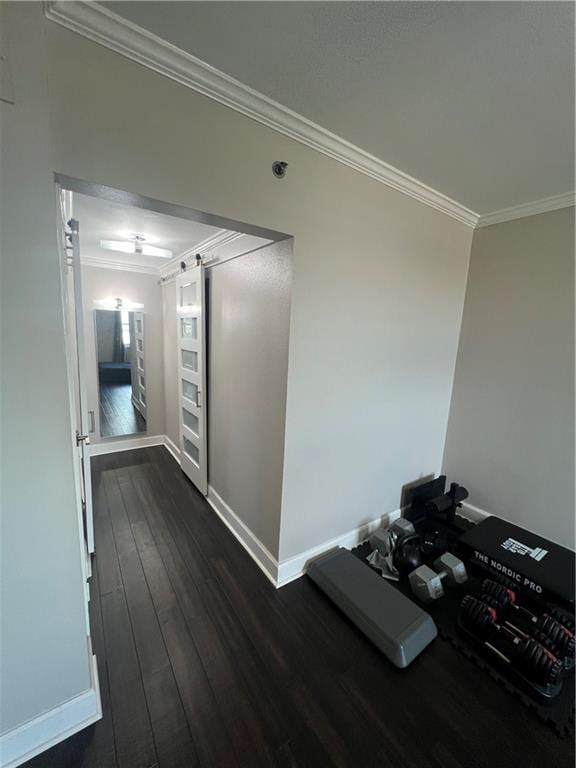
(103, 220)
(475, 99)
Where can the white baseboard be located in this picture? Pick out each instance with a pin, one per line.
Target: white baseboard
(259, 553)
(130, 444)
(288, 570)
(171, 446)
(30, 739)
(294, 567)
(472, 513)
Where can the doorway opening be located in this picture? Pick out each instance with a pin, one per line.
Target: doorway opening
(178, 326)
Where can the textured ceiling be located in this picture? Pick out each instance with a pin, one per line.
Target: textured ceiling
(475, 99)
(104, 220)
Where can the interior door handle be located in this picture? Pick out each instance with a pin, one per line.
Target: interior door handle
(82, 438)
(198, 399)
(92, 422)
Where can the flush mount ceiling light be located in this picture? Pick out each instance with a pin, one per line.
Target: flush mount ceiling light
(111, 302)
(136, 245)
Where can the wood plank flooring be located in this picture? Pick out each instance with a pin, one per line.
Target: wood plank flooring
(202, 663)
(117, 414)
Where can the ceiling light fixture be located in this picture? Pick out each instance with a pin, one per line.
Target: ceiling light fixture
(129, 234)
(111, 302)
(137, 245)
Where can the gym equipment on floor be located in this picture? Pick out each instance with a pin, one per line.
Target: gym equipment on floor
(551, 632)
(395, 549)
(539, 569)
(524, 654)
(431, 500)
(428, 584)
(396, 625)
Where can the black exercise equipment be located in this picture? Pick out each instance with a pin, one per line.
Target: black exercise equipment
(432, 511)
(552, 633)
(562, 649)
(539, 569)
(527, 656)
(407, 553)
(431, 500)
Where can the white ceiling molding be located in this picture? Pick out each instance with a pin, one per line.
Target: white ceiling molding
(527, 209)
(222, 247)
(201, 248)
(94, 261)
(102, 26)
(212, 244)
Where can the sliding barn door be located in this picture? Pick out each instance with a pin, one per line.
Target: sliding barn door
(191, 334)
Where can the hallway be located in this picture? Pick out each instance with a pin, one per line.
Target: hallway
(117, 414)
(203, 663)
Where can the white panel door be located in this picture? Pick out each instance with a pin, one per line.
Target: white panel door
(191, 361)
(138, 369)
(82, 426)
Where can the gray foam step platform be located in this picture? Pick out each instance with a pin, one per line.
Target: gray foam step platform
(396, 625)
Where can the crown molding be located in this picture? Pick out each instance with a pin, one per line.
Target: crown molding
(94, 261)
(212, 243)
(208, 244)
(102, 26)
(527, 209)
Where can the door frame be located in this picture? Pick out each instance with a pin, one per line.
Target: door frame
(112, 194)
(73, 370)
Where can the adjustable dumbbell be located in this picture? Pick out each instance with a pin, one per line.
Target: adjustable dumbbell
(550, 632)
(563, 618)
(525, 654)
(428, 584)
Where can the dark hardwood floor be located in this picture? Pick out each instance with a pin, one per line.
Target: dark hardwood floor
(203, 663)
(117, 414)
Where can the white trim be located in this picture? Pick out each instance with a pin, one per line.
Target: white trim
(294, 567)
(259, 553)
(474, 514)
(95, 261)
(130, 444)
(37, 735)
(527, 209)
(251, 543)
(288, 570)
(102, 26)
(222, 237)
(172, 448)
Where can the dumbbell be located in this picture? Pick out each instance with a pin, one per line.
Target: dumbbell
(525, 654)
(400, 542)
(551, 632)
(428, 584)
(384, 539)
(563, 618)
(402, 527)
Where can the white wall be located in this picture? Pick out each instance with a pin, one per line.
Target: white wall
(378, 277)
(248, 336)
(100, 283)
(44, 657)
(511, 431)
(376, 304)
